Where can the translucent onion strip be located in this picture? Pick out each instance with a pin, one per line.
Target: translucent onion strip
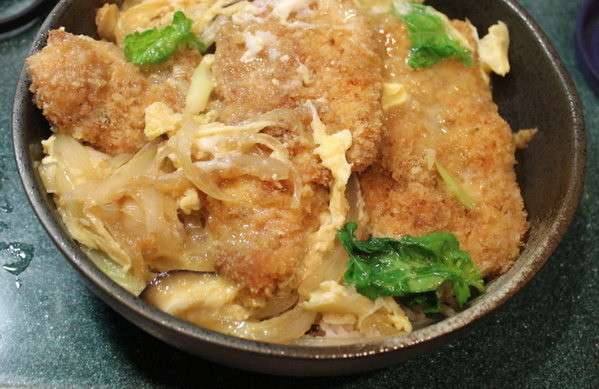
(181, 147)
(213, 139)
(116, 272)
(116, 185)
(232, 165)
(202, 84)
(208, 300)
(281, 329)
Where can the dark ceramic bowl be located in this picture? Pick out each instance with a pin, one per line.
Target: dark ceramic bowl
(537, 93)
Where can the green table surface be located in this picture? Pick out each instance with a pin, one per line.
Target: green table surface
(55, 332)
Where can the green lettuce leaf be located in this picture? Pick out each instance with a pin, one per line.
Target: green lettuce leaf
(430, 34)
(156, 45)
(388, 267)
(428, 302)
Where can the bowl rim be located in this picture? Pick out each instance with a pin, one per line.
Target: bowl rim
(119, 298)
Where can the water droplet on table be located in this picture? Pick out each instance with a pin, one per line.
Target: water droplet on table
(19, 256)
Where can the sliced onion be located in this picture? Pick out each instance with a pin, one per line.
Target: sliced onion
(332, 268)
(116, 272)
(281, 329)
(287, 118)
(211, 136)
(173, 183)
(181, 146)
(165, 234)
(279, 155)
(208, 300)
(355, 200)
(114, 186)
(178, 292)
(278, 149)
(202, 84)
(211, 129)
(323, 341)
(232, 165)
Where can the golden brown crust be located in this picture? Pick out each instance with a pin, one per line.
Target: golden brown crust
(87, 89)
(450, 112)
(331, 62)
(261, 244)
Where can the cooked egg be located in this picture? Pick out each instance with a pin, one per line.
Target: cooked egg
(160, 119)
(189, 202)
(493, 49)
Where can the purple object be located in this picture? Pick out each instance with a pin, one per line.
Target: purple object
(587, 41)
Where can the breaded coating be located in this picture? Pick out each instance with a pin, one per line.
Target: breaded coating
(266, 63)
(449, 117)
(262, 243)
(322, 52)
(87, 89)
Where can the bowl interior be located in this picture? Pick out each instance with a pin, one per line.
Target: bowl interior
(537, 93)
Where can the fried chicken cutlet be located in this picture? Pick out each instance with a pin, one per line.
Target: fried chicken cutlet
(272, 59)
(272, 56)
(262, 243)
(87, 89)
(449, 117)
